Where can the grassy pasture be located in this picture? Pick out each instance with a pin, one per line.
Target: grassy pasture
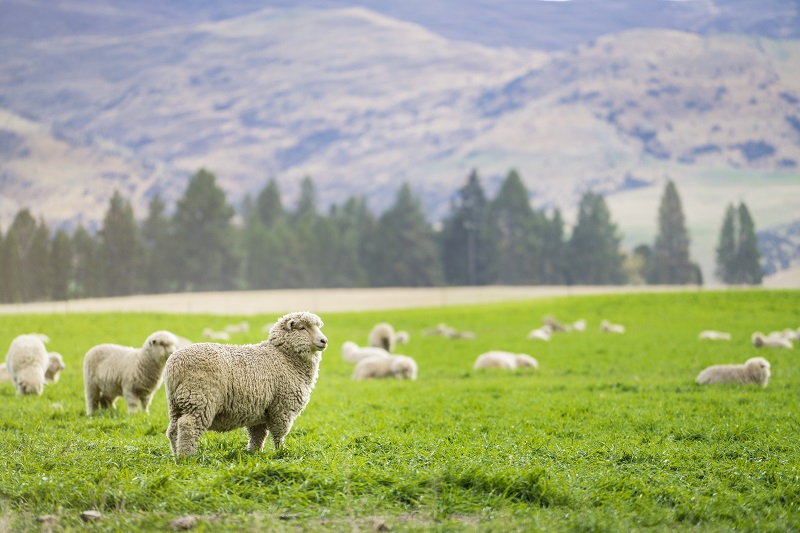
(611, 434)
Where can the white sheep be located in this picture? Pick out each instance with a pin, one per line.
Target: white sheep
(242, 327)
(112, 370)
(543, 333)
(353, 353)
(608, 327)
(210, 334)
(382, 336)
(755, 370)
(710, 334)
(507, 360)
(27, 362)
(54, 367)
(441, 329)
(394, 366)
(555, 325)
(579, 325)
(760, 341)
(402, 337)
(263, 387)
(464, 334)
(4, 375)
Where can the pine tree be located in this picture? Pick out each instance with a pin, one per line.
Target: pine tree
(20, 242)
(726, 249)
(671, 263)
(157, 271)
(61, 261)
(120, 247)
(515, 232)
(268, 204)
(467, 250)
(38, 264)
(554, 251)
(203, 238)
(748, 259)
(408, 254)
(342, 267)
(595, 258)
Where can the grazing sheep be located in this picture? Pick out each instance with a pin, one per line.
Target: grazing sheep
(555, 325)
(54, 367)
(608, 327)
(242, 327)
(543, 333)
(710, 334)
(507, 360)
(402, 337)
(755, 370)
(111, 371)
(210, 334)
(383, 336)
(263, 387)
(27, 362)
(441, 330)
(353, 353)
(579, 325)
(394, 366)
(760, 341)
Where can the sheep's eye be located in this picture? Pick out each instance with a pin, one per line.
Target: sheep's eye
(301, 327)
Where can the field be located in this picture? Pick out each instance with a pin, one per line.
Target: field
(611, 434)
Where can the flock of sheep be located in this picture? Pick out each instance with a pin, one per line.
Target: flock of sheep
(264, 387)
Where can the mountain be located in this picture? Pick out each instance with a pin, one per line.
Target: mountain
(137, 96)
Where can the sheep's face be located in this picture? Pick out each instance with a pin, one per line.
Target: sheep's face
(759, 368)
(403, 368)
(160, 345)
(524, 360)
(55, 367)
(301, 331)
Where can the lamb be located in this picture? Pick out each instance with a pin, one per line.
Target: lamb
(543, 333)
(579, 325)
(453, 334)
(210, 334)
(710, 334)
(4, 375)
(754, 370)
(507, 360)
(402, 337)
(608, 327)
(760, 341)
(555, 325)
(27, 362)
(54, 367)
(352, 353)
(394, 366)
(263, 387)
(383, 336)
(242, 327)
(441, 329)
(111, 371)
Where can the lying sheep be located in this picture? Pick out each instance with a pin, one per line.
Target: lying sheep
(394, 366)
(760, 341)
(579, 325)
(543, 333)
(440, 330)
(27, 362)
(710, 334)
(755, 370)
(382, 336)
(608, 327)
(353, 353)
(402, 337)
(460, 335)
(555, 325)
(111, 371)
(210, 334)
(242, 327)
(263, 387)
(507, 360)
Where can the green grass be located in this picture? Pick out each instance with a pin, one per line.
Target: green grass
(611, 434)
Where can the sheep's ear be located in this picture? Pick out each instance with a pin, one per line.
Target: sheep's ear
(288, 325)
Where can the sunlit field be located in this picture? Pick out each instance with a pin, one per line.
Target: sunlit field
(610, 434)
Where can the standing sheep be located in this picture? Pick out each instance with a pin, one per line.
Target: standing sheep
(263, 387)
(394, 366)
(27, 362)
(507, 360)
(383, 336)
(754, 370)
(353, 353)
(54, 367)
(111, 371)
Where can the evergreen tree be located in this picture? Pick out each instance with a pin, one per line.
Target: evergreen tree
(671, 263)
(11, 268)
(595, 258)
(467, 249)
(89, 281)
(157, 248)
(554, 251)
(61, 261)
(726, 249)
(748, 259)
(516, 233)
(408, 255)
(268, 204)
(203, 246)
(342, 265)
(120, 247)
(313, 237)
(38, 264)
(21, 237)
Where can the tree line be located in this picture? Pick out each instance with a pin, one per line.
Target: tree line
(203, 246)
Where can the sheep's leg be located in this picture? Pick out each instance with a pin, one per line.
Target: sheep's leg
(189, 430)
(279, 428)
(172, 434)
(146, 401)
(257, 436)
(132, 400)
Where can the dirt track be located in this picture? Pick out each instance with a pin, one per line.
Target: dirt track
(321, 300)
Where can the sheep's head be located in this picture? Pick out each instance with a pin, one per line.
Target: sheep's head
(299, 332)
(757, 339)
(525, 360)
(55, 367)
(160, 345)
(403, 367)
(759, 369)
